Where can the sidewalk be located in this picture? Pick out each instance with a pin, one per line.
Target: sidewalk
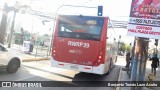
(28, 57)
(123, 76)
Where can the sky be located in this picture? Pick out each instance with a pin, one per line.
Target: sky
(110, 7)
(115, 9)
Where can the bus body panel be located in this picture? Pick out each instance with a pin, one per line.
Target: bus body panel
(77, 51)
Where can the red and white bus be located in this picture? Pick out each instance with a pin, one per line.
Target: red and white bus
(84, 43)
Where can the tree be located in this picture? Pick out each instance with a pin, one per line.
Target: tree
(128, 47)
(124, 47)
(3, 24)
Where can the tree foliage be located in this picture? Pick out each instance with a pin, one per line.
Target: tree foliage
(124, 47)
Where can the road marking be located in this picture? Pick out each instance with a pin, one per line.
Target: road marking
(119, 78)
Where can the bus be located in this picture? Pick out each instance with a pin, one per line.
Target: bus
(84, 43)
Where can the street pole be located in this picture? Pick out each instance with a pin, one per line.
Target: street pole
(3, 24)
(32, 29)
(139, 61)
(119, 43)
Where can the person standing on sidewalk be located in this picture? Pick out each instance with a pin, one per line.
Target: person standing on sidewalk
(128, 57)
(155, 63)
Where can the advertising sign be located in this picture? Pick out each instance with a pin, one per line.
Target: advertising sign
(26, 46)
(144, 19)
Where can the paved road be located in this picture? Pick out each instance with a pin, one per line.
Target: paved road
(41, 71)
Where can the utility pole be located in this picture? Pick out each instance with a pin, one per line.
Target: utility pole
(3, 24)
(139, 61)
(119, 43)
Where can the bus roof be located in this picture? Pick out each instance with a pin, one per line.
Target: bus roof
(84, 16)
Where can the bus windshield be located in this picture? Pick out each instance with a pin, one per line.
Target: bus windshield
(80, 27)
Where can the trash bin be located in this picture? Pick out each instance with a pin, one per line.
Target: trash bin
(31, 48)
(26, 46)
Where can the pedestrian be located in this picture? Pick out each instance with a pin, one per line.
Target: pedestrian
(128, 57)
(155, 63)
(42, 43)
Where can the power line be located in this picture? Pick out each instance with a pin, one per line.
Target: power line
(119, 24)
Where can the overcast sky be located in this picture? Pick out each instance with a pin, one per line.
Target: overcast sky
(115, 9)
(110, 7)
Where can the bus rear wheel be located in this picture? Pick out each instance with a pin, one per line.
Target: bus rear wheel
(110, 67)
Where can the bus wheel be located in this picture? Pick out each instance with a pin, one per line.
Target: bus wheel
(110, 66)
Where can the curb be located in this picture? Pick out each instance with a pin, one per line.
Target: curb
(119, 78)
(34, 59)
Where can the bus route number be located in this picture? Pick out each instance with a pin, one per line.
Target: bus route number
(78, 44)
(91, 22)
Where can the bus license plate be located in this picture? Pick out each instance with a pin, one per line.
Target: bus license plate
(74, 67)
